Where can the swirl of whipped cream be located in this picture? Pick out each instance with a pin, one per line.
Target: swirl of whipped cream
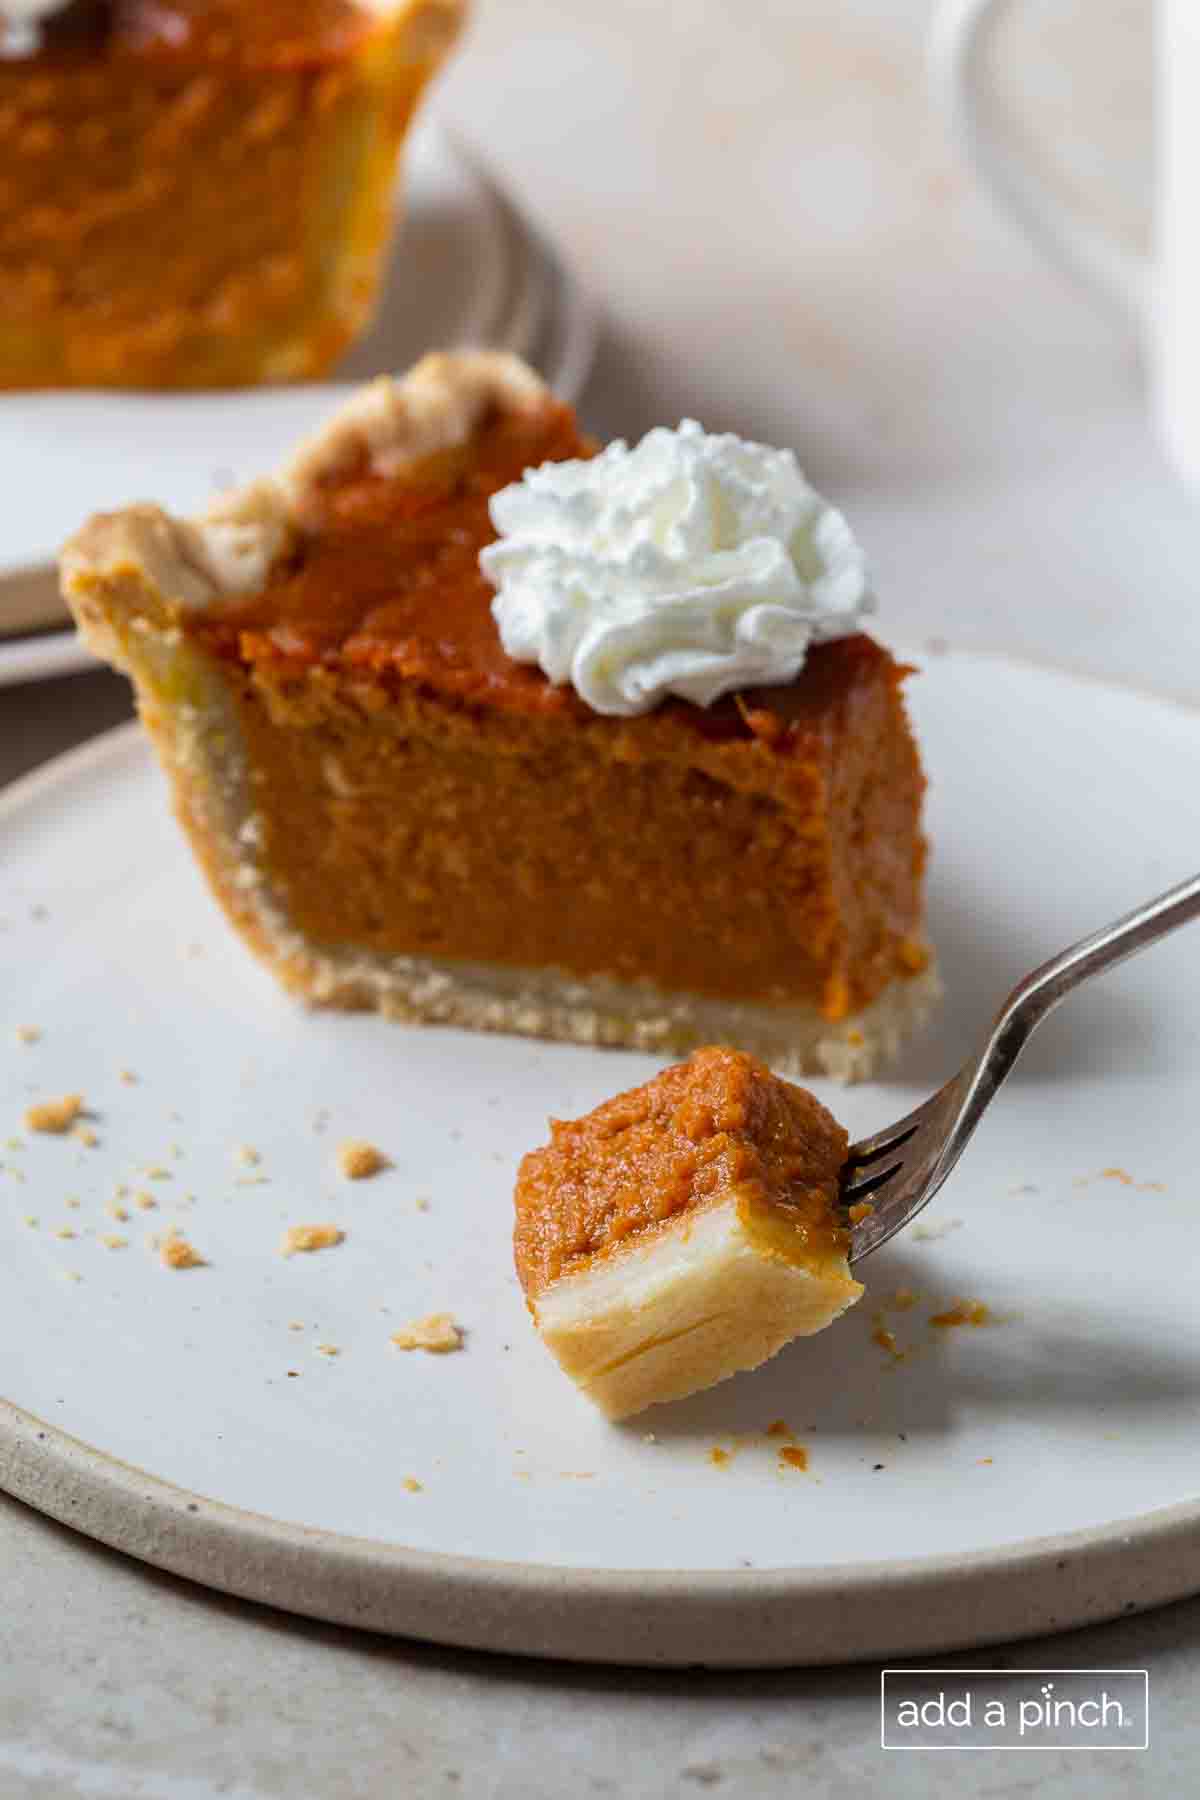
(692, 564)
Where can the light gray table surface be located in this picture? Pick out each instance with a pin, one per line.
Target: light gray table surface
(784, 244)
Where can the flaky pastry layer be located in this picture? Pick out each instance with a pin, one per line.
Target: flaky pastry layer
(692, 1303)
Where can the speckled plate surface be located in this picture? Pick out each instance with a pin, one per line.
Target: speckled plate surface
(1038, 1470)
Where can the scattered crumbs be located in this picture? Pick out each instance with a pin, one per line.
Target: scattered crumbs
(86, 1136)
(411, 1485)
(1025, 1187)
(122, 1191)
(39, 912)
(1125, 1179)
(855, 1038)
(146, 1202)
(31, 1221)
(963, 1312)
(422, 1203)
(71, 1275)
(115, 1210)
(320, 1119)
(14, 1143)
(328, 1350)
(310, 1237)
(862, 1209)
(127, 1077)
(293, 1374)
(15, 1173)
(937, 1228)
(195, 950)
(779, 1428)
(66, 1231)
(112, 1241)
(875, 1467)
(436, 1332)
(793, 1456)
(72, 1200)
(719, 1458)
(357, 1159)
(251, 1181)
(295, 1324)
(27, 1034)
(174, 1252)
(247, 1155)
(156, 1172)
(176, 1150)
(55, 1116)
(983, 1460)
(886, 1341)
(647, 1438)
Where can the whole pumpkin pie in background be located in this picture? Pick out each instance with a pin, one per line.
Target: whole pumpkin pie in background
(398, 812)
(683, 1231)
(199, 192)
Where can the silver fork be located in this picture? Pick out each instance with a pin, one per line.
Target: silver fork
(899, 1170)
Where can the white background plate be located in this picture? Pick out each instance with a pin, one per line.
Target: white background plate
(1055, 805)
(467, 268)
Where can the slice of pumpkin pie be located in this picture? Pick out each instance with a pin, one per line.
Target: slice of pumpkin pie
(474, 725)
(683, 1231)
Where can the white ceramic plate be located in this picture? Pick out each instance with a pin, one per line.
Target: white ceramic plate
(467, 269)
(1042, 1469)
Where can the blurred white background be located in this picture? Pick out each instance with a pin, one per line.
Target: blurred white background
(782, 233)
(786, 242)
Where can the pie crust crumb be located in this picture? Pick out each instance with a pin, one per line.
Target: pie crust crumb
(357, 1159)
(436, 1332)
(310, 1237)
(55, 1116)
(174, 1252)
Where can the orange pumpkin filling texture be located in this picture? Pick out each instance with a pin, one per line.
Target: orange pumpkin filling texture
(717, 1127)
(199, 192)
(422, 794)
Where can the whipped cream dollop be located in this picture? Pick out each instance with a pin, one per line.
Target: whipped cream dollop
(693, 564)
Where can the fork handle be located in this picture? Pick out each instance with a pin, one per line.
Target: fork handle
(1042, 990)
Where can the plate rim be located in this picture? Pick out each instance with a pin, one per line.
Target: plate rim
(740, 1618)
(793, 1615)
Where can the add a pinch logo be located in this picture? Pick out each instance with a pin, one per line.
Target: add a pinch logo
(1014, 1709)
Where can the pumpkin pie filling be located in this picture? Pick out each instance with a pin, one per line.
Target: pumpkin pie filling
(683, 1230)
(199, 192)
(398, 814)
